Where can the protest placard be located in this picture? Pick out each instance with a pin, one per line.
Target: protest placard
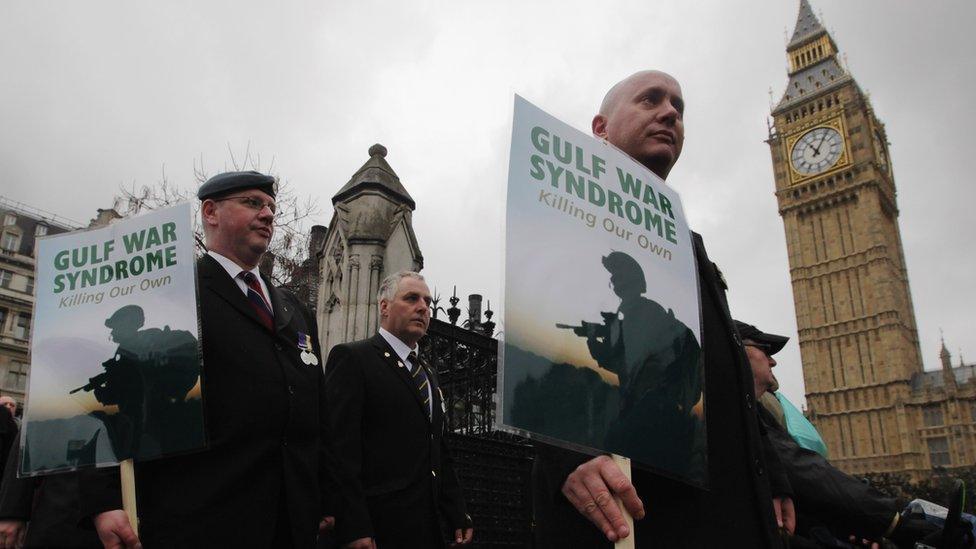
(115, 363)
(602, 331)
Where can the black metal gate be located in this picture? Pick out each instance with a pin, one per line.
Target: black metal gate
(494, 467)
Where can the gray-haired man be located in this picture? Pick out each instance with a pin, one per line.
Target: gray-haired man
(385, 415)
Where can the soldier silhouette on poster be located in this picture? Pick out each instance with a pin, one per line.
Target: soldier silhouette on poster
(148, 379)
(656, 359)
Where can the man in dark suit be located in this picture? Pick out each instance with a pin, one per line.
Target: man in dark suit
(643, 116)
(386, 426)
(261, 481)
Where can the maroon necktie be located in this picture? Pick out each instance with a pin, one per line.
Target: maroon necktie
(256, 298)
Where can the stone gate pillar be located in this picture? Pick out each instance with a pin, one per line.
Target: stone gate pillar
(369, 237)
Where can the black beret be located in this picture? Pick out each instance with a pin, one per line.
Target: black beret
(750, 332)
(236, 181)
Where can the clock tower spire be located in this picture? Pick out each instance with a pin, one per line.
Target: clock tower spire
(836, 194)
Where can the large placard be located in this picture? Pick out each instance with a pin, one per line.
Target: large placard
(602, 333)
(115, 361)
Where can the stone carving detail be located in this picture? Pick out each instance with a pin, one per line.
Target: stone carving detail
(333, 265)
(337, 251)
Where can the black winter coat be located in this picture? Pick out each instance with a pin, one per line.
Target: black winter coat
(825, 495)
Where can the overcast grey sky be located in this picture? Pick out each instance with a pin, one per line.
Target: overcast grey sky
(98, 94)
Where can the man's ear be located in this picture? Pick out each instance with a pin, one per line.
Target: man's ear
(599, 126)
(208, 212)
(384, 305)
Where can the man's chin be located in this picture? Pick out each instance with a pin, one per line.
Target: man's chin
(658, 161)
(260, 244)
(258, 250)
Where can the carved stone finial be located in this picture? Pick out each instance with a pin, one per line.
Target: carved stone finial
(377, 149)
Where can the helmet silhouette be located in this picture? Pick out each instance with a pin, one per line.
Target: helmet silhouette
(130, 316)
(625, 271)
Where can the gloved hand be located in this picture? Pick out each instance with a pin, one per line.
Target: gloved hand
(910, 530)
(961, 537)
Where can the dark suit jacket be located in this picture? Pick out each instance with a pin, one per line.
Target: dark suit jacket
(262, 407)
(395, 468)
(736, 509)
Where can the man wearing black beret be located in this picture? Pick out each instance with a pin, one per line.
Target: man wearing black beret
(261, 481)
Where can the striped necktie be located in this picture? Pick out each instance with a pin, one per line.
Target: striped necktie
(256, 298)
(423, 383)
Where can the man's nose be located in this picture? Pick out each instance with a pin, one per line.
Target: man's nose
(669, 112)
(266, 212)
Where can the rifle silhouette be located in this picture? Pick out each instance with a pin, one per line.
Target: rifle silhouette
(586, 328)
(93, 383)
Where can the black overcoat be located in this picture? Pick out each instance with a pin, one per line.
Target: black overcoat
(394, 465)
(825, 495)
(262, 407)
(736, 509)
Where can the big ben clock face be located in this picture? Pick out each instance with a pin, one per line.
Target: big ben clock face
(818, 150)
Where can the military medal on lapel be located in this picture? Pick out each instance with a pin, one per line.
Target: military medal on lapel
(305, 344)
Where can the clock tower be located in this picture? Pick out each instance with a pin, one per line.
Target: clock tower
(835, 188)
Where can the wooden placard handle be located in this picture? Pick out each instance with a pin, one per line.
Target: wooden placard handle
(128, 474)
(627, 542)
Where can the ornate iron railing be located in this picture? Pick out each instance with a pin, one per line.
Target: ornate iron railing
(466, 363)
(494, 467)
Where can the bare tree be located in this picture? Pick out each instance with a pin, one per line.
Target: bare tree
(288, 251)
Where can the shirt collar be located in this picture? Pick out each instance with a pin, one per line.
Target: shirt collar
(233, 269)
(399, 347)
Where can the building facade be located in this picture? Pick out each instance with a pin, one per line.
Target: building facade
(21, 225)
(943, 403)
(835, 188)
(369, 237)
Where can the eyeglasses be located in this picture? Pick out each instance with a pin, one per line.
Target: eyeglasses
(252, 203)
